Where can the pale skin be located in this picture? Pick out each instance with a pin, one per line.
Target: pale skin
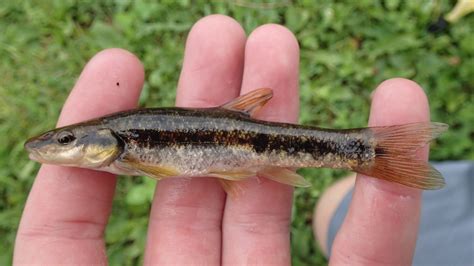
(192, 221)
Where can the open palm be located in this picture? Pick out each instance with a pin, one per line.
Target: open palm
(192, 221)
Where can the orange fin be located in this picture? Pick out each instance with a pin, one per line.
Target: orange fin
(228, 179)
(154, 171)
(251, 102)
(284, 176)
(233, 175)
(232, 188)
(394, 152)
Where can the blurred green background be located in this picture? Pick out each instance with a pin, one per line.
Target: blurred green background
(347, 48)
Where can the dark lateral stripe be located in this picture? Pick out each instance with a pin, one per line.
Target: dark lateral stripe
(259, 142)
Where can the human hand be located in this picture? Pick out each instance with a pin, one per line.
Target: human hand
(192, 221)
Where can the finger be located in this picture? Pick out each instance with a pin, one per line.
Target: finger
(256, 225)
(185, 222)
(68, 208)
(382, 223)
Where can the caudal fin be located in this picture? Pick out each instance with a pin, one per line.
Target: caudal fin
(394, 155)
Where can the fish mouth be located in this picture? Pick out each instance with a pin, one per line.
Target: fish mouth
(31, 147)
(37, 157)
(34, 156)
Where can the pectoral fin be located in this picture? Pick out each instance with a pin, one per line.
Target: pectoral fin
(251, 102)
(154, 171)
(284, 176)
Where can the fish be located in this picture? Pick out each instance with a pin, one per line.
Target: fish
(227, 142)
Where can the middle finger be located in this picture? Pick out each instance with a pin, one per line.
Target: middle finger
(256, 225)
(185, 221)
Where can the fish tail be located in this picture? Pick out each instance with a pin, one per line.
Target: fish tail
(395, 161)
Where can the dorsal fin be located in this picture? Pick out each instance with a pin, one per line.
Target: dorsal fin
(250, 102)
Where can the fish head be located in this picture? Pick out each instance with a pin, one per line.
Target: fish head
(79, 146)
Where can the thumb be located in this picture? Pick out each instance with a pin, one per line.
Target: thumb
(382, 223)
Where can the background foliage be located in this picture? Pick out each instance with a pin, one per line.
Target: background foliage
(347, 48)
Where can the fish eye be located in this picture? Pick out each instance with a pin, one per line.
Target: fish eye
(65, 137)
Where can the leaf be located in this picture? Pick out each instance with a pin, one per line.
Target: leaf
(140, 194)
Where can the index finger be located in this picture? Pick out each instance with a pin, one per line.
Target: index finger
(382, 223)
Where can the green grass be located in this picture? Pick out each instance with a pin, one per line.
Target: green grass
(347, 48)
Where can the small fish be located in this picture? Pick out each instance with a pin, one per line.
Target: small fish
(226, 142)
